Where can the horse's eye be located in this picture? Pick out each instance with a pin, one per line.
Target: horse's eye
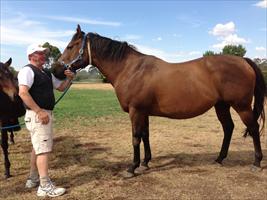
(69, 47)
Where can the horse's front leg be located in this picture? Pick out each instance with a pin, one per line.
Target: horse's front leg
(138, 127)
(4, 145)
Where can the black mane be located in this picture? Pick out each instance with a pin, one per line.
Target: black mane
(107, 48)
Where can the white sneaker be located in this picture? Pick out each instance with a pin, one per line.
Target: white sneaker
(50, 190)
(31, 183)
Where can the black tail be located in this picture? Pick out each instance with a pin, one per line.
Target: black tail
(259, 95)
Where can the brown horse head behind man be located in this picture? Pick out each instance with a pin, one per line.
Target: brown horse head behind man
(148, 86)
(11, 107)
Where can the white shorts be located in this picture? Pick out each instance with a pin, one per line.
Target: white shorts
(41, 134)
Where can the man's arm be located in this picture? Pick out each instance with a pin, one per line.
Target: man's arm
(28, 100)
(64, 85)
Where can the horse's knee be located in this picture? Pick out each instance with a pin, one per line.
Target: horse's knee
(136, 141)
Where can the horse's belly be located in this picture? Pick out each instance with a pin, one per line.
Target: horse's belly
(183, 108)
(180, 114)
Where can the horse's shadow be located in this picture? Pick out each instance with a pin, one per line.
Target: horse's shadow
(187, 160)
(70, 153)
(181, 160)
(86, 155)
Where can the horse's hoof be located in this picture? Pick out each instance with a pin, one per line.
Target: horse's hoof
(141, 169)
(8, 176)
(218, 163)
(127, 175)
(255, 168)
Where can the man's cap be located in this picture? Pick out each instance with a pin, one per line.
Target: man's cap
(34, 48)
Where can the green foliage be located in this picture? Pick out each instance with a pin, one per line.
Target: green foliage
(209, 53)
(262, 63)
(229, 50)
(234, 50)
(13, 71)
(54, 53)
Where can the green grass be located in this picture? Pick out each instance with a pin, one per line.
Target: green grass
(85, 104)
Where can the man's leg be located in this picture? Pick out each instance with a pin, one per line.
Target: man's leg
(46, 188)
(42, 165)
(33, 163)
(33, 180)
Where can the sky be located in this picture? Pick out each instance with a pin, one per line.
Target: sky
(175, 31)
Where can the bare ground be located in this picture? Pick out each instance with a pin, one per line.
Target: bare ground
(98, 86)
(89, 158)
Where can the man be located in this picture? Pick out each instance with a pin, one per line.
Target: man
(36, 90)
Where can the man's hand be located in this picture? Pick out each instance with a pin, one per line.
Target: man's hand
(69, 74)
(43, 116)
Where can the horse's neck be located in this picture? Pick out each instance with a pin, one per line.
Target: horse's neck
(112, 69)
(108, 69)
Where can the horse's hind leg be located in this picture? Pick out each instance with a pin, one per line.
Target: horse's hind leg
(12, 141)
(224, 116)
(147, 150)
(252, 125)
(4, 144)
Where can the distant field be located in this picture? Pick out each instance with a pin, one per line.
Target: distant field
(93, 146)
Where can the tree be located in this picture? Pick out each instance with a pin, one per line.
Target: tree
(13, 71)
(234, 50)
(262, 63)
(53, 55)
(209, 53)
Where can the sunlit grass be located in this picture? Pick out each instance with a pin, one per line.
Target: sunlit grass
(87, 104)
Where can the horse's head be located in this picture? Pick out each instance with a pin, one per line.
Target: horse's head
(75, 55)
(57, 69)
(8, 83)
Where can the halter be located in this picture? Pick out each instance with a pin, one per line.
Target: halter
(81, 51)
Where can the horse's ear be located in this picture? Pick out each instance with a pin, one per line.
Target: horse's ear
(79, 31)
(8, 63)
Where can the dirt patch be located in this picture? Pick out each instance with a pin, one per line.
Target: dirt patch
(88, 161)
(98, 86)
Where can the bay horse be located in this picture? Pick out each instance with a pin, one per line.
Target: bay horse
(11, 107)
(148, 86)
